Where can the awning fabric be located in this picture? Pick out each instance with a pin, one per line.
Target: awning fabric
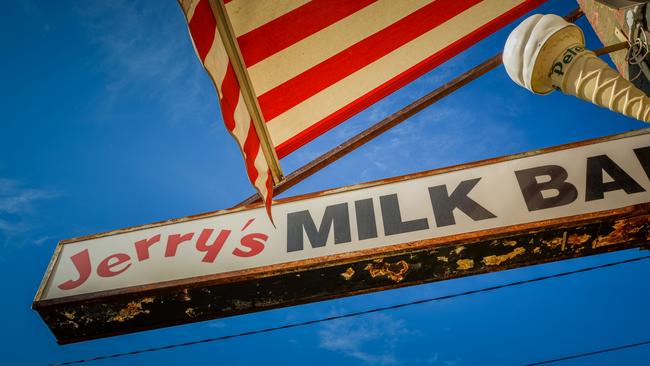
(290, 70)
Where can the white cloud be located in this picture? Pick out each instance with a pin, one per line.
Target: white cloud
(17, 206)
(216, 324)
(42, 239)
(371, 339)
(15, 199)
(442, 136)
(162, 67)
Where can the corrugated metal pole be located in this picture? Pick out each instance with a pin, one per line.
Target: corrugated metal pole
(389, 122)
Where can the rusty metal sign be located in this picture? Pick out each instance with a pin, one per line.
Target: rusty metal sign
(573, 200)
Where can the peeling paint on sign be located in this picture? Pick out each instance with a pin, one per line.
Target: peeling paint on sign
(581, 199)
(495, 260)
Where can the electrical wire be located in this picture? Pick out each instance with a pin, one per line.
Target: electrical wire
(638, 50)
(605, 350)
(353, 314)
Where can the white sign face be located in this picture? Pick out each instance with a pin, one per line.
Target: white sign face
(579, 180)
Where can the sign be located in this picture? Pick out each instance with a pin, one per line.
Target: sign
(594, 180)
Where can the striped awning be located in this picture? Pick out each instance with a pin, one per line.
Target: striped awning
(303, 67)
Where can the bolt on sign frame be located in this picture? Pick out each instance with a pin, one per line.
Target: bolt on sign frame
(569, 201)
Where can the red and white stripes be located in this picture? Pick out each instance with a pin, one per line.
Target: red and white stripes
(307, 65)
(238, 121)
(314, 64)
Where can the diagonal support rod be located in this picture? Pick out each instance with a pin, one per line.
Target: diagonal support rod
(387, 123)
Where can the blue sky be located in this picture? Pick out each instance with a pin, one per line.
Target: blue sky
(108, 121)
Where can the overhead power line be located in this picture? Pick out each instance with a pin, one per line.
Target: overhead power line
(631, 345)
(352, 314)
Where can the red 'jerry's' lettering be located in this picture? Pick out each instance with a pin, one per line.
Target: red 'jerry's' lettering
(253, 243)
(174, 240)
(81, 262)
(105, 267)
(142, 247)
(211, 250)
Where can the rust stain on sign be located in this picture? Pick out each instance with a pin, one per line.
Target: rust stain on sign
(615, 230)
(623, 230)
(190, 312)
(554, 243)
(70, 318)
(348, 274)
(238, 304)
(394, 271)
(495, 260)
(184, 295)
(132, 309)
(465, 264)
(576, 239)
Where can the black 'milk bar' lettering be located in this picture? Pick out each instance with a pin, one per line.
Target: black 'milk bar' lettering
(392, 217)
(596, 188)
(643, 154)
(335, 215)
(366, 223)
(444, 204)
(532, 190)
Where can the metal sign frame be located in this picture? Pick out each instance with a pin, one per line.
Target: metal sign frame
(100, 314)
